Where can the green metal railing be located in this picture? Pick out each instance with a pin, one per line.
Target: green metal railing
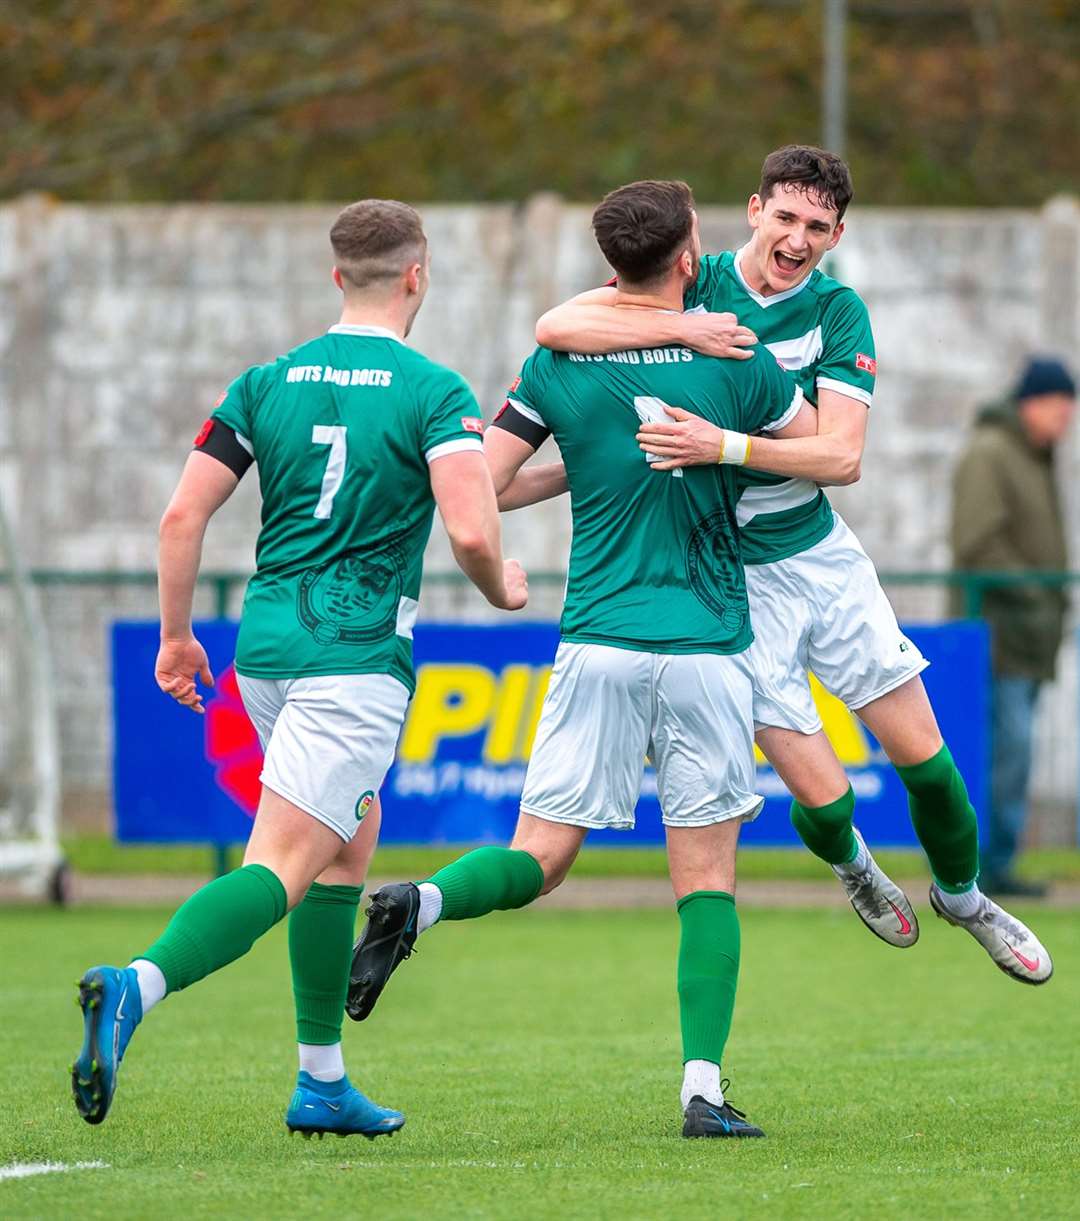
(973, 584)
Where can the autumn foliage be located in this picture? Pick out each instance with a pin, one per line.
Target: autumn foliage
(951, 102)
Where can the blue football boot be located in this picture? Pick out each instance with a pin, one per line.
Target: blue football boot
(112, 1007)
(337, 1106)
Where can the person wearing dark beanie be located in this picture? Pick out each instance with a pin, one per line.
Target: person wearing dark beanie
(1042, 376)
(1007, 517)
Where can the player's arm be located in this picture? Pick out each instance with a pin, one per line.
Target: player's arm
(516, 487)
(533, 484)
(463, 490)
(827, 449)
(592, 322)
(512, 438)
(206, 483)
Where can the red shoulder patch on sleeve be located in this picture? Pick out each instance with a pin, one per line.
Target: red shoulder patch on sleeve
(472, 423)
(866, 363)
(514, 385)
(204, 433)
(220, 399)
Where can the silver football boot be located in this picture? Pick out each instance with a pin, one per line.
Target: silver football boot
(879, 903)
(1012, 945)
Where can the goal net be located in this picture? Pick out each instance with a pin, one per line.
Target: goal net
(29, 751)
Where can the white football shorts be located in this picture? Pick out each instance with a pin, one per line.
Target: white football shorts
(824, 611)
(607, 708)
(328, 741)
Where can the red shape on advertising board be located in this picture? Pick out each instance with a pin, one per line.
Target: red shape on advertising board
(232, 745)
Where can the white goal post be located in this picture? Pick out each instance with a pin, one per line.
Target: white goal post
(30, 851)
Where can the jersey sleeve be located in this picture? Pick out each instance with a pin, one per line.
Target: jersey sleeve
(773, 398)
(451, 421)
(522, 412)
(701, 292)
(226, 435)
(234, 406)
(848, 364)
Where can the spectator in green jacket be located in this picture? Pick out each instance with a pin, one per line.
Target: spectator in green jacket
(1007, 517)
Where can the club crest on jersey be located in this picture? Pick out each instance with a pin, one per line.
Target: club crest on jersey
(363, 804)
(714, 568)
(867, 363)
(354, 599)
(204, 433)
(472, 423)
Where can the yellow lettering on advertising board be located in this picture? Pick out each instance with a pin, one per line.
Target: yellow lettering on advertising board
(450, 701)
(456, 700)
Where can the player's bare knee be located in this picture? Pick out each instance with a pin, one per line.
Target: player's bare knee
(553, 846)
(703, 858)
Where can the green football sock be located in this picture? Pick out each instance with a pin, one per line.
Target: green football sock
(708, 972)
(321, 930)
(486, 880)
(944, 820)
(826, 830)
(218, 924)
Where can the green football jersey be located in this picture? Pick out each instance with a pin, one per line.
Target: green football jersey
(819, 331)
(655, 562)
(342, 430)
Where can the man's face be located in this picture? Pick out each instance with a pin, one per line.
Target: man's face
(1046, 418)
(793, 230)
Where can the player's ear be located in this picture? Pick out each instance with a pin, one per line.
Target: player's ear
(754, 209)
(837, 234)
(335, 275)
(413, 278)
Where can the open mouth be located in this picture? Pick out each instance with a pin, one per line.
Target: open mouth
(788, 264)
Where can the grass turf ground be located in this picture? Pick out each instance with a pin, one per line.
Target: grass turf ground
(536, 1056)
(100, 854)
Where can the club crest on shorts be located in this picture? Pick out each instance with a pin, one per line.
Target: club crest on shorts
(364, 803)
(354, 599)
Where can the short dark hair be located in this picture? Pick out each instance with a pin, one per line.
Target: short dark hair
(812, 170)
(642, 228)
(376, 240)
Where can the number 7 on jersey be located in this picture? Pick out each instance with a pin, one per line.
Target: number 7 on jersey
(334, 436)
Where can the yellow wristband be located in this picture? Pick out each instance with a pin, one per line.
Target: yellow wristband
(734, 448)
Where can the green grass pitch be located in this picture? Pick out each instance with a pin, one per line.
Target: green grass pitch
(536, 1057)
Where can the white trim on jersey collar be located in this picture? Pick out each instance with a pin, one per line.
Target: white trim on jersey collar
(353, 328)
(773, 298)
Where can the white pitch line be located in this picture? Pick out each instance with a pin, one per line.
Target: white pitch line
(25, 1170)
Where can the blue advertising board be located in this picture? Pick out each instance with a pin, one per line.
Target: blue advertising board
(466, 740)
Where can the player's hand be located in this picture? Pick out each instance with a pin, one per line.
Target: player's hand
(178, 664)
(516, 582)
(718, 335)
(687, 441)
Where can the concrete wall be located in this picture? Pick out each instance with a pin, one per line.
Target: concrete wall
(119, 326)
